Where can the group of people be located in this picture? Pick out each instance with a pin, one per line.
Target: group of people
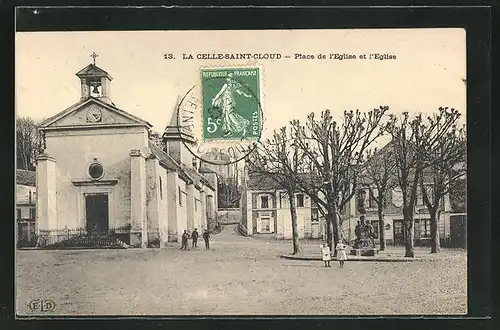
(194, 237)
(341, 254)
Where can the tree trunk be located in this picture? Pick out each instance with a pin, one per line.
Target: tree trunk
(335, 230)
(435, 244)
(329, 230)
(293, 212)
(409, 232)
(381, 234)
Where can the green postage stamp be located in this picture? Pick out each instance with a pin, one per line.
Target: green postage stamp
(231, 103)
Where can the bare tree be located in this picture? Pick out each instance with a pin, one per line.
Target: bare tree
(334, 152)
(277, 158)
(378, 170)
(445, 156)
(410, 136)
(229, 193)
(27, 143)
(156, 138)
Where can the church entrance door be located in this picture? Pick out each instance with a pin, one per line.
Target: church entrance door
(96, 206)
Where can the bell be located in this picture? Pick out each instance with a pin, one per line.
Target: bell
(95, 90)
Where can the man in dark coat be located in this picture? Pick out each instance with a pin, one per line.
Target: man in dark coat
(357, 230)
(206, 237)
(194, 236)
(184, 240)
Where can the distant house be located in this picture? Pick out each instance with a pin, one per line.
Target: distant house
(266, 210)
(221, 163)
(25, 205)
(394, 224)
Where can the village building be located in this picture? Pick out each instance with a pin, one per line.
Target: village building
(394, 224)
(265, 210)
(25, 206)
(221, 163)
(99, 174)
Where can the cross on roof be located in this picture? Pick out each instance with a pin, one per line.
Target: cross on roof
(94, 55)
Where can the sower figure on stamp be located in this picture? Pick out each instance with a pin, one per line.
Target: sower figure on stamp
(225, 100)
(184, 240)
(194, 235)
(206, 237)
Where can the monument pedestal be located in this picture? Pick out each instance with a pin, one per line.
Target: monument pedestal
(364, 245)
(365, 252)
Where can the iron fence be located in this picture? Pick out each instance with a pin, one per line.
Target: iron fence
(26, 233)
(83, 237)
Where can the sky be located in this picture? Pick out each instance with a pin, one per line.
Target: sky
(427, 73)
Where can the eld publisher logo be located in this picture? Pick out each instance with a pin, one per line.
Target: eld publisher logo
(42, 305)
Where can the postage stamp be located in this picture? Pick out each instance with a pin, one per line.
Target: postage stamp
(231, 103)
(223, 111)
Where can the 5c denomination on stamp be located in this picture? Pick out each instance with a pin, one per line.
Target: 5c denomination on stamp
(224, 111)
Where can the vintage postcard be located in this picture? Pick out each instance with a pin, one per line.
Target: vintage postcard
(249, 172)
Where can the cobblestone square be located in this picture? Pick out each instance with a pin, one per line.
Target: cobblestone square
(239, 276)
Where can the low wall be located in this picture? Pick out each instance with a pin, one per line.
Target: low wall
(228, 216)
(242, 230)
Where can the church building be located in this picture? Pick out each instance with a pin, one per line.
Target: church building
(99, 174)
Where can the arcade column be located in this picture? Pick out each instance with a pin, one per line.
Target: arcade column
(46, 213)
(138, 230)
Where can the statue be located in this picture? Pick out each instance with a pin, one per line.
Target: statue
(41, 142)
(361, 202)
(364, 243)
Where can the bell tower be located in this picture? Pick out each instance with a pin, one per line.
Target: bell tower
(95, 82)
(176, 137)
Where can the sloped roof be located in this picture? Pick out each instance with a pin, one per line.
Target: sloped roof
(174, 130)
(77, 106)
(261, 182)
(204, 169)
(163, 157)
(196, 177)
(185, 172)
(384, 152)
(92, 70)
(26, 177)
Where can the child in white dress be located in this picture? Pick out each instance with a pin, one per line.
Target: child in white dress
(341, 255)
(325, 250)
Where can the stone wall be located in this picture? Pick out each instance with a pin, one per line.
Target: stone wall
(74, 151)
(229, 216)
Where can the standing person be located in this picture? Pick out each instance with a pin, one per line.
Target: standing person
(206, 237)
(327, 256)
(341, 255)
(194, 235)
(184, 240)
(357, 230)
